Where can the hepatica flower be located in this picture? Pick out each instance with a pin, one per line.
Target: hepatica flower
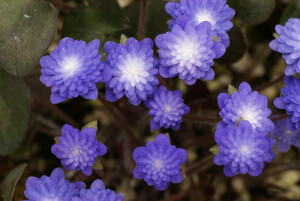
(245, 105)
(98, 193)
(78, 150)
(133, 68)
(166, 108)
(72, 70)
(290, 101)
(158, 163)
(216, 12)
(288, 43)
(242, 150)
(54, 188)
(188, 51)
(285, 137)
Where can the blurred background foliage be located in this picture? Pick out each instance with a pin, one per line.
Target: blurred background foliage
(29, 122)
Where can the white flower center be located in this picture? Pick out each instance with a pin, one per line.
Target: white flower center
(250, 115)
(168, 109)
(158, 163)
(69, 66)
(76, 151)
(133, 70)
(205, 16)
(244, 149)
(187, 52)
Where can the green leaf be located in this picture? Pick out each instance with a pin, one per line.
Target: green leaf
(100, 20)
(253, 11)
(98, 165)
(10, 182)
(14, 112)
(93, 124)
(289, 12)
(215, 149)
(237, 46)
(232, 89)
(27, 28)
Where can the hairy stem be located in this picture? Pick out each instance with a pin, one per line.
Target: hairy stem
(142, 19)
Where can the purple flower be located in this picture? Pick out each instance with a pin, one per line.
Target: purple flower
(216, 12)
(98, 193)
(188, 51)
(167, 109)
(285, 137)
(158, 163)
(133, 68)
(72, 70)
(78, 150)
(245, 105)
(242, 150)
(54, 187)
(290, 101)
(288, 43)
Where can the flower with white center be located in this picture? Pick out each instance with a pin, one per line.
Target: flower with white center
(216, 12)
(158, 163)
(245, 105)
(188, 51)
(288, 43)
(243, 150)
(78, 150)
(73, 69)
(133, 68)
(53, 188)
(166, 108)
(285, 137)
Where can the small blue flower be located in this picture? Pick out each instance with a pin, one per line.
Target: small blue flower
(285, 137)
(166, 108)
(78, 150)
(72, 70)
(188, 51)
(288, 43)
(158, 163)
(98, 193)
(290, 101)
(54, 187)
(216, 12)
(242, 150)
(248, 105)
(133, 68)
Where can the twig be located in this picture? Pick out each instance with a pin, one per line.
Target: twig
(120, 120)
(205, 163)
(271, 83)
(177, 196)
(142, 19)
(280, 117)
(60, 5)
(201, 119)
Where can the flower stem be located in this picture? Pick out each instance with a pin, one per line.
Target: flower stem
(270, 83)
(280, 117)
(120, 120)
(142, 19)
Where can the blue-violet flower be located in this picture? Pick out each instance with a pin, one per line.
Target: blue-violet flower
(216, 12)
(242, 150)
(188, 51)
(78, 150)
(166, 108)
(97, 192)
(72, 70)
(246, 105)
(288, 43)
(290, 101)
(133, 68)
(158, 163)
(54, 187)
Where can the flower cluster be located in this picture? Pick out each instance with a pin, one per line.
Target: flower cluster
(78, 150)
(97, 192)
(158, 163)
(288, 43)
(290, 101)
(245, 105)
(72, 70)
(133, 68)
(243, 150)
(216, 12)
(166, 108)
(285, 137)
(54, 187)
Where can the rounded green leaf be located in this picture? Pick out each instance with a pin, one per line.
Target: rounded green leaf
(253, 11)
(27, 28)
(289, 12)
(14, 112)
(10, 182)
